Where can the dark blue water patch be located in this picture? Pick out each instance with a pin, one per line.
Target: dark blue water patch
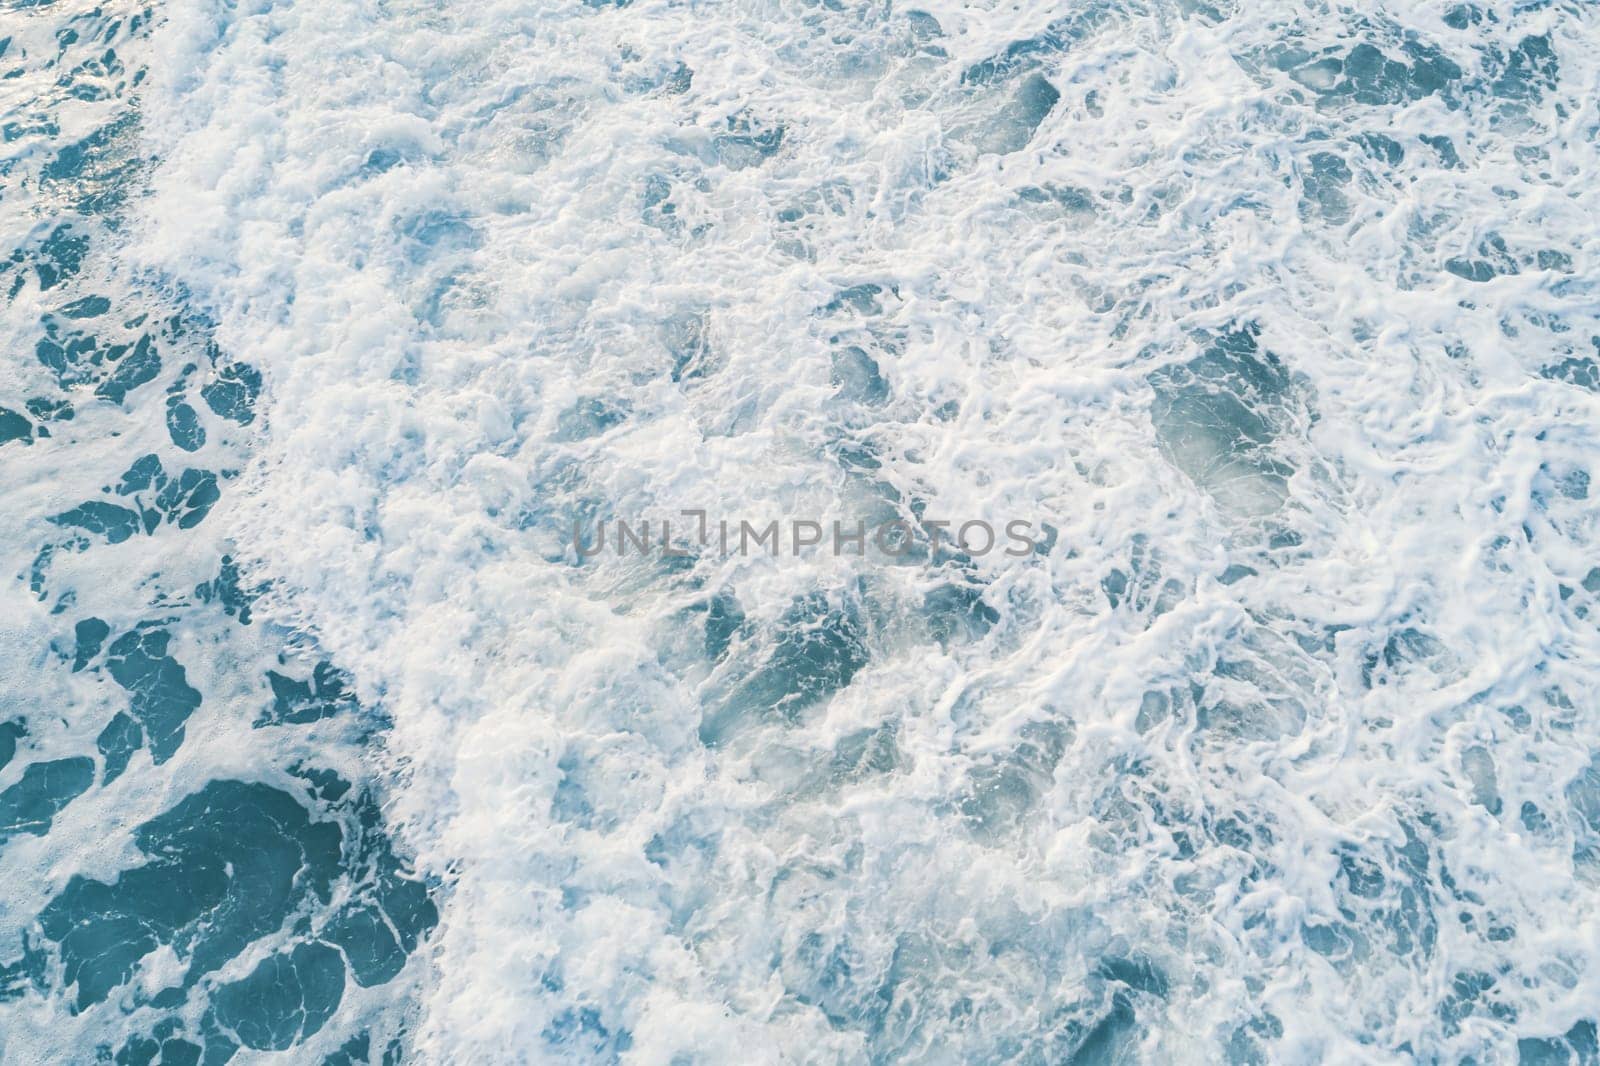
(436, 232)
(1155, 707)
(14, 426)
(1578, 1047)
(161, 698)
(724, 620)
(924, 27)
(1583, 795)
(189, 497)
(56, 258)
(1444, 148)
(324, 785)
(814, 651)
(287, 998)
(1388, 892)
(296, 701)
(1111, 1039)
(1556, 481)
(1249, 1044)
(162, 1047)
(116, 524)
(116, 743)
(381, 160)
(35, 125)
(1236, 572)
(30, 805)
(1552, 259)
(856, 457)
(97, 171)
(227, 865)
(77, 356)
(137, 367)
(45, 409)
(74, 356)
(1368, 75)
(1101, 1031)
(352, 1051)
(1527, 71)
(1382, 148)
(1579, 370)
(10, 733)
(232, 394)
(87, 636)
(226, 591)
(369, 943)
(85, 307)
(183, 426)
(824, 970)
(1136, 972)
(864, 299)
(1491, 261)
(358, 1049)
(184, 500)
(390, 912)
(1339, 942)
(28, 973)
(143, 475)
(1472, 994)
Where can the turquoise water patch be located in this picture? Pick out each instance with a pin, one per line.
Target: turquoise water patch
(228, 865)
(29, 805)
(232, 393)
(296, 701)
(286, 999)
(160, 697)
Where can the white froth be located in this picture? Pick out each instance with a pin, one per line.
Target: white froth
(436, 231)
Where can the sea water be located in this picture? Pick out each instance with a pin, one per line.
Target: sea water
(322, 741)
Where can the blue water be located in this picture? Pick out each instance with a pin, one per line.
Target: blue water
(321, 742)
(196, 863)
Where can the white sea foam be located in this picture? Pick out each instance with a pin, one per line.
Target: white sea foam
(1279, 747)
